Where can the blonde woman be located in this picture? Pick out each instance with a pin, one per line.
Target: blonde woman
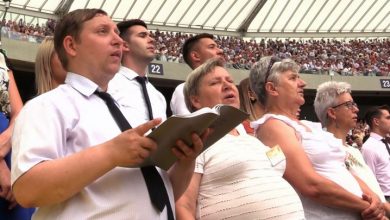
(249, 103)
(49, 72)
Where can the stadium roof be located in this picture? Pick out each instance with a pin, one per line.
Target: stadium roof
(245, 18)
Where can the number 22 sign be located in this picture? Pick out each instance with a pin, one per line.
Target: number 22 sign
(156, 69)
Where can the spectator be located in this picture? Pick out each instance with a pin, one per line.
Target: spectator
(66, 165)
(11, 104)
(337, 112)
(249, 104)
(375, 151)
(196, 50)
(49, 72)
(233, 178)
(314, 166)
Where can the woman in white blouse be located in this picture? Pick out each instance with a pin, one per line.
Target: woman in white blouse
(315, 166)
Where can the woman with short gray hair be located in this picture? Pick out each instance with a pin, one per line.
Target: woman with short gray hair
(314, 167)
(337, 112)
(327, 97)
(233, 178)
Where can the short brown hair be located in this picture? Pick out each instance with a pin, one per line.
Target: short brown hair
(71, 25)
(374, 112)
(124, 26)
(189, 46)
(191, 86)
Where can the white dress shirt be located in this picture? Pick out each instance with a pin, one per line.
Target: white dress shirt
(126, 90)
(67, 120)
(178, 103)
(378, 159)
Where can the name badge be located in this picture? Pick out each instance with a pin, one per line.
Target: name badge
(275, 155)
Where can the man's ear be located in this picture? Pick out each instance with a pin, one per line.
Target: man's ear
(375, 121)
(195, 57)
(70, 46)
(126, 46)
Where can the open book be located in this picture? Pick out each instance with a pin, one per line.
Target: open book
(221, 119)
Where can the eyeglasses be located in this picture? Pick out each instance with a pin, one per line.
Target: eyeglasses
(348, 104)
(270, 65)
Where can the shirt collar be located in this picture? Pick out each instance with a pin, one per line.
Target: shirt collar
(376, 136)
(129, 73)
(80, 83)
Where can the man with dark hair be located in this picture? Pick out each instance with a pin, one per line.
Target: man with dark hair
(376, 150)
(134, 93)
(196, 50)
(138, 52)
(70, 158)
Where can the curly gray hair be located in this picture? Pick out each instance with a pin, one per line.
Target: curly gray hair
(326, 96)
(192, 84)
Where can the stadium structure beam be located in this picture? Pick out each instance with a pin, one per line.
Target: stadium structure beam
(233, 18)
(303, 17)
(383, 19)
(267, 15)
(212, 13)
(252, 15)
(63, 8)
(224, 14)
(280, 14)
(200, 11)
(352, 14)
(43, 4)
(316, 15)
(328, 15)
(145, 8)
(292, 15)
(174, 9)
(376, 15)
(364, 15)
(128, 11)
(341, 14)
(158, 10)
(27, 12)
(115, 8)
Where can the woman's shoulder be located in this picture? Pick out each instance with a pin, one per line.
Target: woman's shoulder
(273, 119)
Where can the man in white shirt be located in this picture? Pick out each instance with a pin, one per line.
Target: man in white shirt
(196, 50)
(376, 150)
(70, 159)
(138, 52)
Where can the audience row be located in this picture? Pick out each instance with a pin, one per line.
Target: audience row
(353, 57)
(330, 56)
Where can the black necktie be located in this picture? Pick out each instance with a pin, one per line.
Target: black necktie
(142, 80)
(386, 144)
(156, 188)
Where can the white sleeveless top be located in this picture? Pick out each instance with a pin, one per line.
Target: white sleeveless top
(239, 182)
(327, 156)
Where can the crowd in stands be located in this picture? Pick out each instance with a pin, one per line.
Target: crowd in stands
(330, 56)
(353, 57)
(20, 30)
